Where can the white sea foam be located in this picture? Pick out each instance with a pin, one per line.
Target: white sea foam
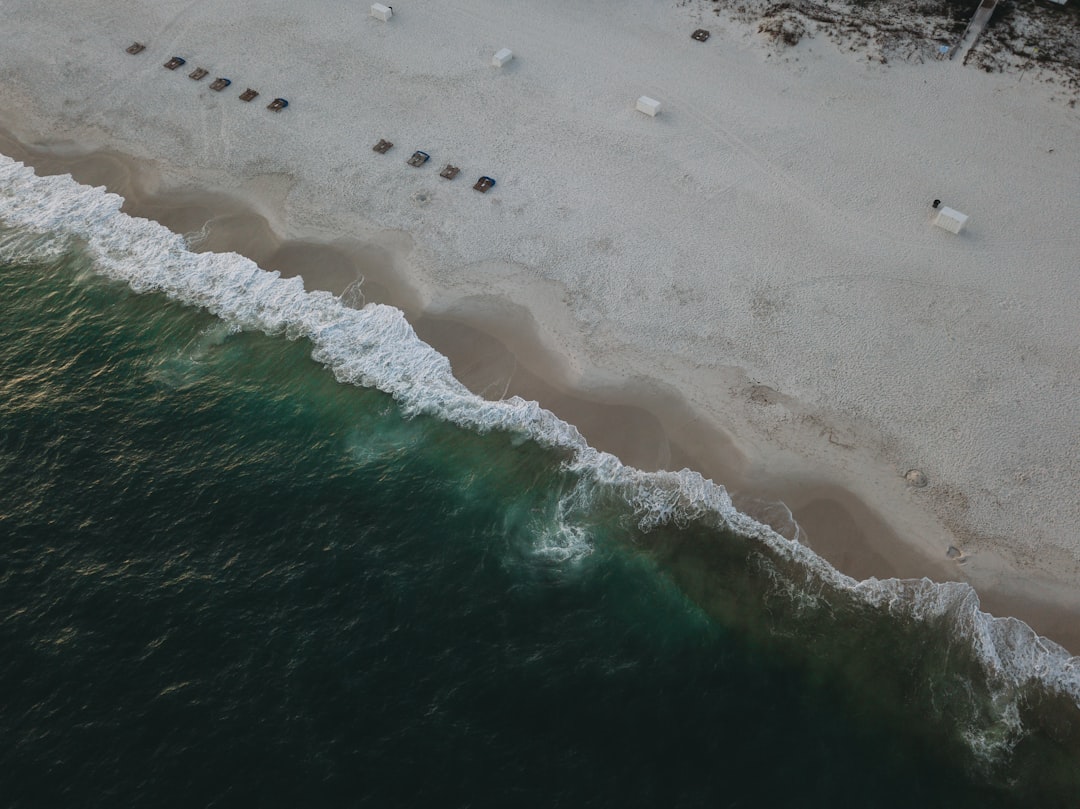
(374, 346)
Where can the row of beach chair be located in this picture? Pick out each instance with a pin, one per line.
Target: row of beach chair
(218, 84)
(418, 158)
(449, 171)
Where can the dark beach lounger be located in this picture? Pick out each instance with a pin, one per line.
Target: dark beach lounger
(450, 172)
(277, 105)
(220, 84)
(418, 158)
(135, 47)
(198, 73)
(383, 146)
(700, 35)
(175, 62)
(249, 94)
(483, 184)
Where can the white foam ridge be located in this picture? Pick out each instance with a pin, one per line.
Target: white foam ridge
(374, 346)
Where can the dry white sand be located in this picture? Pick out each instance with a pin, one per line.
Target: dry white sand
(762, 249)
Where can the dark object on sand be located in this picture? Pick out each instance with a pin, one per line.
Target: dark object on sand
(418, 159)
(450, 172)
(198, 73)
(937, 202)
(249, 94)
(220, 84)
(277, 105)
(700, 35)
(175, 62)
(135, 47)
(383, 146)
(483, 184)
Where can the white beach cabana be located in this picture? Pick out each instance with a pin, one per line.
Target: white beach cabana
(649, 106)
(381, 12)
(501, 57)
(949, 219)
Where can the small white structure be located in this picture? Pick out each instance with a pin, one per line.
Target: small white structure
(381, 12)
(950, 220)
(501, 57)
(649, 106)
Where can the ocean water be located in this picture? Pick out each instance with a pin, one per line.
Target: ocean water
(257, 548)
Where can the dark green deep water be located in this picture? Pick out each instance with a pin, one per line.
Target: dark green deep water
(228, 580)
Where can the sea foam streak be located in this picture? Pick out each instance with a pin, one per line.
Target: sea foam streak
(375, 346)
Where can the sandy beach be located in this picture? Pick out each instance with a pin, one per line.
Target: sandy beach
(747, 284)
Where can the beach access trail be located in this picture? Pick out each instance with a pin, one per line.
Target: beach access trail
(754, 268)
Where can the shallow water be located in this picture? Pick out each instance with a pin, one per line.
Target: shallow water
(228, 578)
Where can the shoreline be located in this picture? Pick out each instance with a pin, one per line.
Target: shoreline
(630, 422)
(756, 294)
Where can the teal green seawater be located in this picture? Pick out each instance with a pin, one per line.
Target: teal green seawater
(228, 580)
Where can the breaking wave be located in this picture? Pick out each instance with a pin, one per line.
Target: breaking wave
(1003, 662)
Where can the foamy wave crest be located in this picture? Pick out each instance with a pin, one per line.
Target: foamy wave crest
(374, 346)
